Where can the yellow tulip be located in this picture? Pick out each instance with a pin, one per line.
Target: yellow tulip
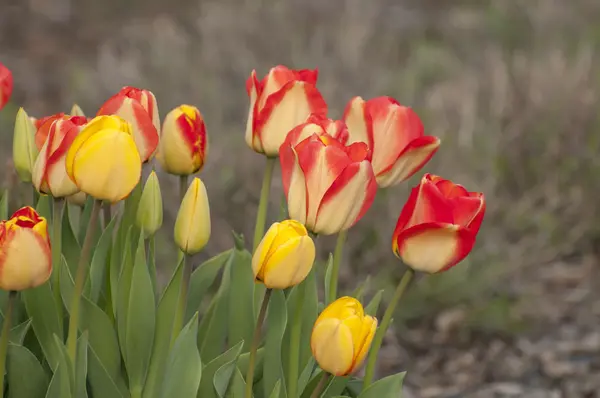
(342, 336)
(150, 209)
(192, 226)
(25, 258)
(285, 255)
(103, 160)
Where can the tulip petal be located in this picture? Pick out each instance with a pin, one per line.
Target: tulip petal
(369, 326)
(410, 160)
(331, 344)
(25, 260)
(341, 308)
(294, 184)
(262, 251)
(192, 226)
(358, 121)
(290, 263)
(252, 139)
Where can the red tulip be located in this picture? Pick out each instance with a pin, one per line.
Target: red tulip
(438, 225)
(279, 102)
(6, 85)
(395, 135)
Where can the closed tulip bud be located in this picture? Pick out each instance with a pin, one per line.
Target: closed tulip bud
(6, 85)
(279, 102)
(328, 186)
(25, 258)
(49, 172)
(24, 149)
(77, 199)
(103, 160)
(192, 226)
(150, 208)
(76, 111)
(438, 225)
(342, 336)
(45, 124)
(183, 143)
(139, 108)
(395, 136)
(285, 255)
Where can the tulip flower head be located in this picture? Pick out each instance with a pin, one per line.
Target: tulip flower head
(24, 149)
(49, 172)
(438, 225)
(395, 136)
(342, 336)
(103, 160)
(285, 255)
(25, 258)
(279, 102)
(149, 215)
(183, 145)
(139, 108)
(6, 85)
(192, 226)
(329, 186)
(44, 125)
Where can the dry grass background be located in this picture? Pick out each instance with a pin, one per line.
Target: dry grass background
(512, 87)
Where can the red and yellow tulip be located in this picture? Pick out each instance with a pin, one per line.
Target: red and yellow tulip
(438, 225)
(279, 102)
(139, 108)
(25, 258)
(329, 186)
(394, 134)
(6, 85)
(183, 143)
(44, 124)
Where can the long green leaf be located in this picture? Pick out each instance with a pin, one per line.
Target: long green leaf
(373, 306)
(207, 389)
(122, 291)
(26, 376)
(82, 367)
(328, 272)
(241, 299)
(70, 246)
(60, 385)
(223, 378)
(237, 386)
(102, 385)
(388, 387)
(17, 334)
(276, 325)
(98, 266)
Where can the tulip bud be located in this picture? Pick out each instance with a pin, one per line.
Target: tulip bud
(285, 255)
(150, 208)
(192, 226)
(25, 258)
(24, 149)
(438, 225)
(342, 336)
(139, 108)
(6, 85)
(278, 103)
(394, 133)
(183, 143)
(76, 111)
(103, 160)
(77, 199)
(49, 172)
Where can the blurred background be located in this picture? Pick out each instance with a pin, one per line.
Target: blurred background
(512, 87)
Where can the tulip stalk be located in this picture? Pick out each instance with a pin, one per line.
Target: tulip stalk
(57, 208)
(321, 386)
(80, 280)
(12, 297)
(263, 204)
(295, 335)
(183, 186)
(183, 296)
(255, 342)
(106, 213)
(385, 323)
(335, 268)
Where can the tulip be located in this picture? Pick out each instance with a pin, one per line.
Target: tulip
(103, 160)
(49, 172)
(285, 255)
(25, 259)
(342, 336)
(45, 124)
(394, 134)
(24, 149)
(150, 208)
(438, 225)
(6, 85)
(317, 124)
(139, 108)
(183, 144)
(328, 186)
(192, 226)
(76, 111)
(279, 102)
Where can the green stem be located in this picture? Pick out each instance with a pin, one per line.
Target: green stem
(335, 269)
(80, 282)
(295, 335)
(35, 196)
(255, 342)
(183, 296)
(57, 208)
(183, 187)
(106, 213)
(12, 295)
(263, 204)
(385, 323)
(322, 383)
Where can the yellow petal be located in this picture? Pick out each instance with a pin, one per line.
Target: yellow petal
(355, 121)
(262, 251)
(192, 226)
(296, 197)
(369, 326)
(342, 308)
(406, 165)
(331, 344)
(25, 261)
(431, 250)
(174, 153)
(290, 263)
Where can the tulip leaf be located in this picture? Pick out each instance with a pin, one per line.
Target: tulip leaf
(328, 271)
(388, 387)
(276, 390)
(41, 307)
(17, 334)
(84, 219)
(60, 385)
(202, 279)
(184, 369)
(70, 247)
(373, 306)
(44, 207)
(354, 387)
(4, 205)
(26, 376)
(243, 360)
(241, 299)
(237, 386)
(151, 253)
(275, 330)
(309, 369)
(122, 291)
(207, 387)
(335, 387)
(140, 322)
(98, 266)
(102, 385)
(118, 258)
(361, 289)
(81, 368)
(165, 317)
(223, 377)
